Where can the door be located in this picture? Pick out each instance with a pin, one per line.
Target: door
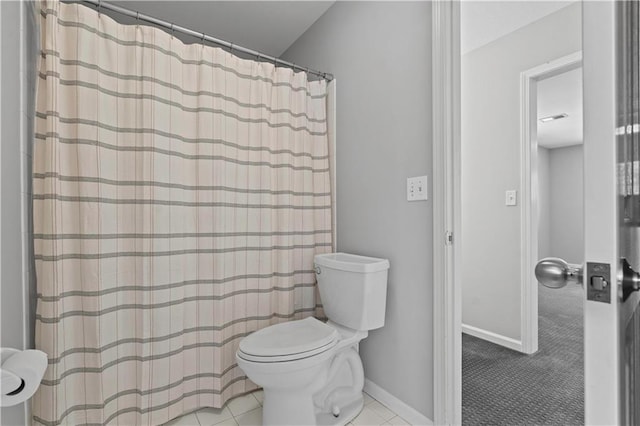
(611, 67)
(628, 146)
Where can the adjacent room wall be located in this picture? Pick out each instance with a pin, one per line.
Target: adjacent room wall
(491, 165)
(566, 196)
(17, 281)
(380, 53)
(544, 204)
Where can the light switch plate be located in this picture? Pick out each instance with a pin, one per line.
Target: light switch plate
(417, 188)
(511, 198)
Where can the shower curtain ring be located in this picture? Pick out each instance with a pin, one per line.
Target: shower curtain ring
(137, 19)
(172, 30)
(99, 7)
(203, 35)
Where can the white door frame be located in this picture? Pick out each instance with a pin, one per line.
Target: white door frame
(529, 193)
(447, 318)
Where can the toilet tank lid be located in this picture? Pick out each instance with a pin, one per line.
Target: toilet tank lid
(351, 262)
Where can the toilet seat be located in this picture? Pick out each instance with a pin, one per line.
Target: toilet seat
(288, 341)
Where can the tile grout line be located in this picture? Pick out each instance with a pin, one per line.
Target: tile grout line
(370, 401)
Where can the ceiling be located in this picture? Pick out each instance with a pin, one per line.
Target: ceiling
(269, 27)
(556, 95)
(485, 21)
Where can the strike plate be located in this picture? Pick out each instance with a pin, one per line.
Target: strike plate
(598, 282)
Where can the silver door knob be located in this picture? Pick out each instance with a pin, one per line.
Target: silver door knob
(554, 272)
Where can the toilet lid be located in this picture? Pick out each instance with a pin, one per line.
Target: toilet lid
(302, 338)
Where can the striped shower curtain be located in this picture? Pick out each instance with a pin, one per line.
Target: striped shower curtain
(179, 196)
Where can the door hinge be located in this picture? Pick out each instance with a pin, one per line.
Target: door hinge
(448, 237)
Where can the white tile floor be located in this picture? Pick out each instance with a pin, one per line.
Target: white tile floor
(247, 411)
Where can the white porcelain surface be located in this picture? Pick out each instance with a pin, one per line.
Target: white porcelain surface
(305, 378)
(287, 338)
(293, 390)
(356, 300)
(351, 262)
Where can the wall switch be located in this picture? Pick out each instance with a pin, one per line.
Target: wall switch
(511, 199)
(417, 188)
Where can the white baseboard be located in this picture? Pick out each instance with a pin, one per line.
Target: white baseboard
(394, 404)
(498, 339)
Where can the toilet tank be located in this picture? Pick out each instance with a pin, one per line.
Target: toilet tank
(353, 289)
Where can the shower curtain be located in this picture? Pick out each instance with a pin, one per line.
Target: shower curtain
(180, 194)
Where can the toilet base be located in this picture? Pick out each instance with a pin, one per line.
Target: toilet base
(347, 413)
(300, 411)
(309, 391)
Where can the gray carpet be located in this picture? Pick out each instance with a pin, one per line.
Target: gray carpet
(504, 387)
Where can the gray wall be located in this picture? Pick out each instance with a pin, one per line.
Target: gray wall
(11, 290)
(491, 165)
(561, 218)
(566, 203)
(544, 204)
(16, 269)
(380, 53)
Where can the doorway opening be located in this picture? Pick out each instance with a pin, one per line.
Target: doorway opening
(535, 376)
(605, 173)
(522, 345)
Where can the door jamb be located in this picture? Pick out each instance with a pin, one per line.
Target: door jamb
(447, 319)
(529, 192)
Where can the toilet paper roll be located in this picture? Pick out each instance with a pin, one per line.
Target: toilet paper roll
(29, 366)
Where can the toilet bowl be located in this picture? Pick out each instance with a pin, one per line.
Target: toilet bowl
(311, 371)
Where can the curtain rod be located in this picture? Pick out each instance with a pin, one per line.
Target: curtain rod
(142, 17)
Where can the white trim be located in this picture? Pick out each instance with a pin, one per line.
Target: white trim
(489, 336)
(447, 344)
(24, 176)
(332, 104)
(529, 193)
(408, 413)
(0, 156)
(24, 185)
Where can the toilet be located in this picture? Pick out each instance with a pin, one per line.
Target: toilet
(311, 371)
